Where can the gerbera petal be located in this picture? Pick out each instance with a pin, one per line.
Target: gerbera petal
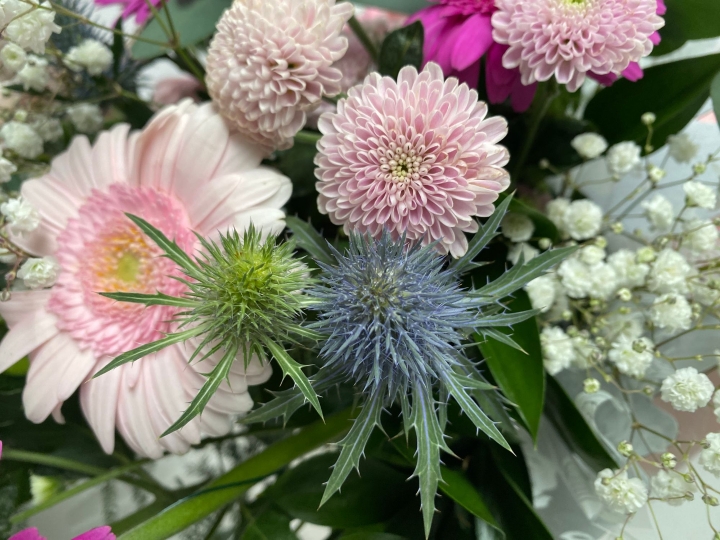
(99, 398)
(27, 335)
(21, 304)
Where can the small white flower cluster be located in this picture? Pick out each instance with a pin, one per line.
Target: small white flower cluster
(620, 493)
(27, 26)
(39, 273)
(579, 220)
(91, 55)
(20, 216)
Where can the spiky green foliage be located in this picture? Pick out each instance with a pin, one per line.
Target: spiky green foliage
(244, 297)
(396, 321)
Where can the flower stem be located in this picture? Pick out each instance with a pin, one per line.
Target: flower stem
(307, 137)
(359, 31)
(548, 93)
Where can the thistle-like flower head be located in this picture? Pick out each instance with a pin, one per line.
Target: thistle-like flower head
(392, 316)
(244, 297)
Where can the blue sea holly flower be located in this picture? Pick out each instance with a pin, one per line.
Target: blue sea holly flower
(396, 320)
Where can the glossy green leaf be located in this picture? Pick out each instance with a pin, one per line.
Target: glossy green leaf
(403, 6)
(401, 48)
(674, 92)
(456, 486)
(353, 446)
(715, 95)
(193, 22)
(310, 240)
(220, 372)
(233, 484)
(371, 536)
(270, 525)
(520, 376)
(573, 428)
(294, 370)
(366, 499)
(688, 19)
(482, 238)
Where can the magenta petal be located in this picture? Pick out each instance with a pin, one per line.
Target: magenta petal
(28, 534)
(100, 533)
(474, 38)
(606, 80)
(470, 76)
(633, 72)
(522, 96)
(661, 7)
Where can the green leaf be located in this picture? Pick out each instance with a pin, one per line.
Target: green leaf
(149, 348)
(472, 410)
(505, 319)
(367, 499)
(521, 274)
(269, 525)
(371, 536)
(459, 489)
(231, 486)
(403, 47)
(715, 95)
(171, 249)
(118, 47)
(193, 22)
(294, 370)
(402, 6)
(310, 240)
(497, 335)
(482, 238)
(288, 401)
(430, 440)
(158, 299)
(573, 428)
(214, 379)
(353, 446)
(520, 376)
(674, 92)
(686, 20)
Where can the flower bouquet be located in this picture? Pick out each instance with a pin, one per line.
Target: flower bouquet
(304, 269)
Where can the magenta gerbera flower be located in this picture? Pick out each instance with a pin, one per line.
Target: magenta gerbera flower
(139, 8)
(417, 157)
(569, 39)
(458, 33)
(184, 172)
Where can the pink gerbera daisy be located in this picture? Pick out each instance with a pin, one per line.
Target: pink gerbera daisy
(184, 172)
(270, 63)
(417, 157)
(458, 34)
(569, 39)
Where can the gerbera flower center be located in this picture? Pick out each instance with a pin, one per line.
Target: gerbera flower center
(103, 251)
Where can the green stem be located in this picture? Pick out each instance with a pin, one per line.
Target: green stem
(69, 493)
(548, 92)
(307, 137)
(359, 31)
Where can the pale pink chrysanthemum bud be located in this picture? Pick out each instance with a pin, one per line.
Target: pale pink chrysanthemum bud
(270, 63)
(568, 39)
(417, 157)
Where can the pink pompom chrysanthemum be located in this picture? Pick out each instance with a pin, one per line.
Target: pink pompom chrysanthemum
(184, 172)
(569, 39)
(416, 157)
(270, 63)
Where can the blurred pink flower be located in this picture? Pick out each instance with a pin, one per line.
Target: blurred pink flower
(271, 62)
(100, 533)
(173, 89)
(569, 40)
(458, 33)
(417, 157)
(184, 172)
(633, 72)
(139, 8)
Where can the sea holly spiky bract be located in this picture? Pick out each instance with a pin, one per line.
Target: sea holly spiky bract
(395, 321)
(244, 296)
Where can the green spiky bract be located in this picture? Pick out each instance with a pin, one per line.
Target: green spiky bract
(244, 297)
(396, 321)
